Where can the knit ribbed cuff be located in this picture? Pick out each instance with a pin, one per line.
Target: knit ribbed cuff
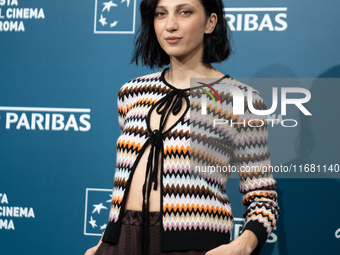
(261, 233)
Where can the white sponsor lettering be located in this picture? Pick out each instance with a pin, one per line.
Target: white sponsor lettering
(3, 199)
(25, 13)
(10, 16)
(6, 224)
(251, 22)
(47, 121)
(270, 21)
(9, 26)
(8, 2)
(12, 212)
(16, 212)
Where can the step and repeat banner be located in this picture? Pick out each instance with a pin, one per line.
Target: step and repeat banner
(61, 66)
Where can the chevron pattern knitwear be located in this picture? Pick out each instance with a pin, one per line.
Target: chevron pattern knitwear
(195, 209)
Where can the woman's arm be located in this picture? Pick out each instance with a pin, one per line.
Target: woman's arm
(251, 158)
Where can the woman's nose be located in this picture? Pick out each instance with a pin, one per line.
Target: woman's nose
(171, 24)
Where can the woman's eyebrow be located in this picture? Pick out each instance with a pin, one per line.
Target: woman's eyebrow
(177, 6)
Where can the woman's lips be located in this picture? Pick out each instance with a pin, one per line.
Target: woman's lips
(172, 40)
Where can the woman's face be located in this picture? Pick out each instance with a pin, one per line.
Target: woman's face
(180, 26)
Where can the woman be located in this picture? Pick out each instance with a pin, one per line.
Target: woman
(159, 206)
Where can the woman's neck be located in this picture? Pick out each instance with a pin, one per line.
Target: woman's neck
(181, 70)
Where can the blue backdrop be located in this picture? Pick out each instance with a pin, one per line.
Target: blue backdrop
(61, 65)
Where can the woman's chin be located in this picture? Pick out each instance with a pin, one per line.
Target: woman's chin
(176, 55)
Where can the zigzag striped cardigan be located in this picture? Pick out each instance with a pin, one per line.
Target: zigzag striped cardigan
(195, 209)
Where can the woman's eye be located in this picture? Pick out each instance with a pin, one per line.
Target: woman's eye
(159, 14)
(186, 12)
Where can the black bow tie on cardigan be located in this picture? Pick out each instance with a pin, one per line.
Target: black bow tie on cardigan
(172, 102)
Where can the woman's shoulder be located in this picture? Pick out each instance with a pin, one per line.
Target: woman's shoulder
(139, 81)
(145, 78)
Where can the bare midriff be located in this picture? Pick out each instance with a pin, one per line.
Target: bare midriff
(134, 199)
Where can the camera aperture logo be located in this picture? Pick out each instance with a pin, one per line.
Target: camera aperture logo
(114, 17)
(204, 102)
(238, 99)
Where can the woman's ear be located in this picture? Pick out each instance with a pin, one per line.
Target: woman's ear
(211, 23)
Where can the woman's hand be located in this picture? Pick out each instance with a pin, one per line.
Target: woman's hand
(93, 250)
(243, 245)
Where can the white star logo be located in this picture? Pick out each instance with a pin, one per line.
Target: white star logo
(102, 20)
(93, 223)
(108, 5)
(109, 201)
(98, 207)
(114, 23)
(127, 1)
(103, 227)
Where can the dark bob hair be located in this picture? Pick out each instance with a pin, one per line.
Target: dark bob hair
(216, 44)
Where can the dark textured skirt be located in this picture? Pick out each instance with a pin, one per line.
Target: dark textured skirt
(129, 239)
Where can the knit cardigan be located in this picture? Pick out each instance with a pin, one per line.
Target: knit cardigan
(195, 209)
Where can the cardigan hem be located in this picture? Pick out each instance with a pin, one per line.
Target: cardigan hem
(261, 233)
(192, 240)
(111, 233)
